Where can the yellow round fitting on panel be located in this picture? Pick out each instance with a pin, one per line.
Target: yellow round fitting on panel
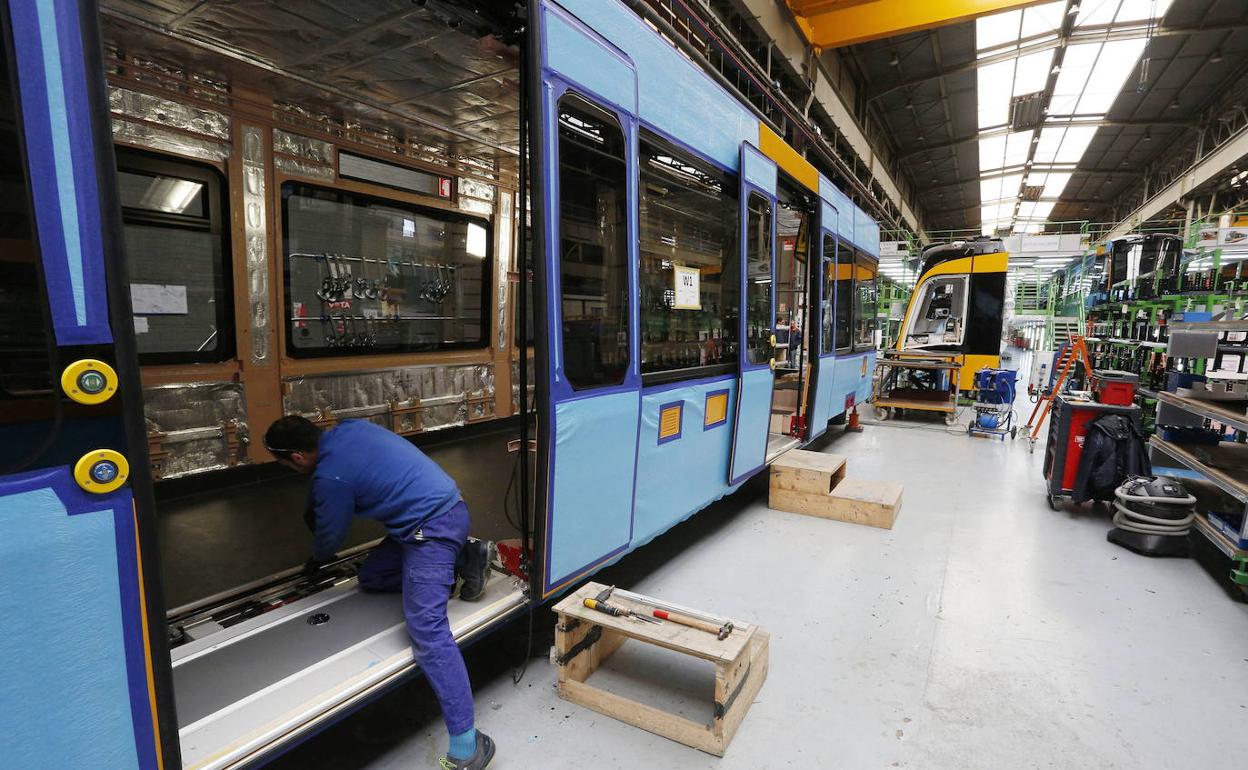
(101, 471)
(89, 381)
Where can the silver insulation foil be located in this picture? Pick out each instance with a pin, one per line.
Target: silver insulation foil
(257, 242)
(191, 420)
(515, 386)
(502, 262)
(444, 393)
(305, 147)
(155, 109)
(149, 113)
(297, 167)
(472, 197)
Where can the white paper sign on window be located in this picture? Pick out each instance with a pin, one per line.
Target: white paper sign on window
(158, 298)
(687, 288)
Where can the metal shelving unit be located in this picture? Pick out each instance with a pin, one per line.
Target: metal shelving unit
(1224, 464)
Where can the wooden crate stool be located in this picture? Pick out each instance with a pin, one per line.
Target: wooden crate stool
(585, 638)
(801, 481)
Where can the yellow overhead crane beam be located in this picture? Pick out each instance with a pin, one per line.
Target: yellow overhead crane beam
(834, 23)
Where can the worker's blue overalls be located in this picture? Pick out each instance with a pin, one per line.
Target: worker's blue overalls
(365, 470)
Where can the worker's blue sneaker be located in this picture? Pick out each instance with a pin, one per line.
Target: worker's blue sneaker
(475, 569)
(479, 759)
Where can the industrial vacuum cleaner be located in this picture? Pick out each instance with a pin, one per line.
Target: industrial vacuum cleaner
(1152, 516)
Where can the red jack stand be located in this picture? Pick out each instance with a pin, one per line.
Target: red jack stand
(853, 426)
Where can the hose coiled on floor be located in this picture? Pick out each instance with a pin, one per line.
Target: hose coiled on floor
(1154, 505)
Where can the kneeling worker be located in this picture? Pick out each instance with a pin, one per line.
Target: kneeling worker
(362, 469)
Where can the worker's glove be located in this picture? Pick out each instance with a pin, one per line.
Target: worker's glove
(312, 566)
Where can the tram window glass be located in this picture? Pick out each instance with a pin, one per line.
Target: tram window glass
(865, 301)
(25, 370)
(827, 300)
(941, 313)
(758, 326)
(593, 245)
(843, 280)
(688, 218)
(177, 258)
(367, 275)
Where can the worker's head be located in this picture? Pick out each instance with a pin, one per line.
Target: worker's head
(292, 440)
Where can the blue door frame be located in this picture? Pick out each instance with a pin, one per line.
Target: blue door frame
(755, 381)
(77, 529)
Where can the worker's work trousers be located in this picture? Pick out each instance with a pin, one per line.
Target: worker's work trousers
(423, 567)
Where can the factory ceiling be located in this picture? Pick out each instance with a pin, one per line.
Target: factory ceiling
(1055, 112)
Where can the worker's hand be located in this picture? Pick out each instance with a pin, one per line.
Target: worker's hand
(312, 566)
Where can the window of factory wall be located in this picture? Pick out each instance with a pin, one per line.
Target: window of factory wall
(690, 268)
(177, 258)
(593, 245)
(865, 303)
(758, 276)
(827, 299)
(843, 287)
(367, 275)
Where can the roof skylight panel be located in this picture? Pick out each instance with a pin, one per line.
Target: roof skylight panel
(1077, 67)
(1096, 12)
(995, 84)
(1032, 72)
(1063, 144)
(999, 188)
(1040, 19)
(1117, 60)
(997, 29)
(1141, 10)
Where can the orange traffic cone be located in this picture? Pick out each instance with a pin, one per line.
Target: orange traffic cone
(853, 426)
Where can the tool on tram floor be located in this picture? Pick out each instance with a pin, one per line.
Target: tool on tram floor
(721, 632)
(619, 612)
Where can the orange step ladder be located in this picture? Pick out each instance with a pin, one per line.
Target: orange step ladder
(1078, 351)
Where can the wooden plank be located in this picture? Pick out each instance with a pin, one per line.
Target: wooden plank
(805, 503)
(673, 636)
(760, 646)
(804, 471)
(648, 718)
(875, 503)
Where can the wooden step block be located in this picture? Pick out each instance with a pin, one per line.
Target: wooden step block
(800, 470)
(862, 501)
(585, 638)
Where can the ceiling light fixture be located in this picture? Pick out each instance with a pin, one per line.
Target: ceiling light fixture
(1216, 57)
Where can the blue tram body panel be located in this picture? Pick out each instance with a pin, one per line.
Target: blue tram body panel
(76, 692)
(673, 96)
(592, 492)
(56, 119)
(675, 479)
(615, 482)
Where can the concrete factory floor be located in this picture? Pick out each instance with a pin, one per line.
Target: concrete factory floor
(983, 631)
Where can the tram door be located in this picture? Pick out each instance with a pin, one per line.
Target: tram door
(83, 645)
(757, 363)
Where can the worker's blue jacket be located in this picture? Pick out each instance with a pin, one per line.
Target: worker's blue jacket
(365, 470)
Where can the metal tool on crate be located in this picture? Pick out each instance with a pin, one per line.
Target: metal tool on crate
(599, 603)
(721, 632)
(721, 627)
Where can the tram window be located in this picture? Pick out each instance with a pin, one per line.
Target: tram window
(941, 313)
(177, 258)
(25, 370)
(689, 219)
(758, 326)
(593, 245)
(865, 296)
(827, 304)
(843, 280)
(368, 275)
